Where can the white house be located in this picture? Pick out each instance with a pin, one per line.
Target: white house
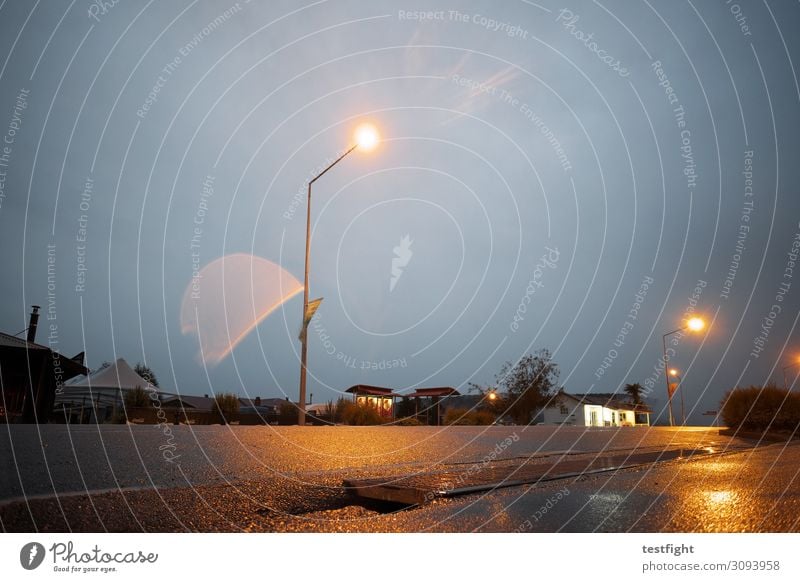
(594, 410)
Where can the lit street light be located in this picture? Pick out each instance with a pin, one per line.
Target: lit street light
(785, 385)
(366, 138)
(694, 324)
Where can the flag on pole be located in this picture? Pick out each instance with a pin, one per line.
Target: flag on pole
(313, 305)
(673, 386)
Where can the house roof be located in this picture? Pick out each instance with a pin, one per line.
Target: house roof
(622, 400)
(10, 341)
(71, 366)
(207, 403)
(274, 402)
(370, 390)
(198, 402)
(613, 401)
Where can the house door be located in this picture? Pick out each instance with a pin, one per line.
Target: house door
(593, 421)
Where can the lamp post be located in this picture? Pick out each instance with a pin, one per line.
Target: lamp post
(785, 384)
(694, 324)
(679, 386)
(366, 137)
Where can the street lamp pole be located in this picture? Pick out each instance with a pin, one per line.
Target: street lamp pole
(666, 373)
(785, 384)
(694, 324)
(679, 387)
(366, 137)
(301, 409)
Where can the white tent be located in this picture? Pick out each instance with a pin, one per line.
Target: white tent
(100, 393)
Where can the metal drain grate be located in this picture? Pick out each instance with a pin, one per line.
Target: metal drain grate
(425, 487)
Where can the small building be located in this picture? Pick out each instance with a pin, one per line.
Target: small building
(31, 375)
(428, 402)
(382, 399)
(429, 405)
(594, 410)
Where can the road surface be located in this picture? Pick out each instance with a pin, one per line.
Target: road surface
(218, 478)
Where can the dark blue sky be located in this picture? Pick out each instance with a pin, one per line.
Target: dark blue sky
(547, 163)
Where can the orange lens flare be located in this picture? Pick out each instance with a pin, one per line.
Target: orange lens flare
(229, 297)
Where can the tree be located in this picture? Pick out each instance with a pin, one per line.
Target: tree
(528, 385)
(225, 406)
(634, 391)
(146, 373)
(491, 398)
(136, 397)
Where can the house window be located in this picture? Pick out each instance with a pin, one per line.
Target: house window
(563, 410)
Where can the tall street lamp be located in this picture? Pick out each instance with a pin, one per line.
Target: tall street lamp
(366, 138)
(694, 324)
(785, 384)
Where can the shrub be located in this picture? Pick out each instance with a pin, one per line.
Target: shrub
(464, 417)
(408, 421)
(358, 415)
(761, 408)
(329, 413)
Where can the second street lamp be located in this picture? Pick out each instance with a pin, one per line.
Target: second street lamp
(694, 324)
(366, 138)
(679, 386)
(785, 384)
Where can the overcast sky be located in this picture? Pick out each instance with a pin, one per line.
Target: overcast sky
(576, 176)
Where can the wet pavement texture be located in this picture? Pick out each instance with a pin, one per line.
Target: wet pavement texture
(420, 488)
(291, 479)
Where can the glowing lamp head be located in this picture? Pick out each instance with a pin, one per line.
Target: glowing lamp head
(673, 372)
(366, 136)
(695, 324)
(492, 396)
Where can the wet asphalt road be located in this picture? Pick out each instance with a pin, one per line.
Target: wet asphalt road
(289, 479)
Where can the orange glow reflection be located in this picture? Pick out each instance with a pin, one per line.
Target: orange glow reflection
(230, 296)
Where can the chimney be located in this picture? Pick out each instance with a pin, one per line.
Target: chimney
(34, 323)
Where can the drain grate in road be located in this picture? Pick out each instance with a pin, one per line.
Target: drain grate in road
(422, 488)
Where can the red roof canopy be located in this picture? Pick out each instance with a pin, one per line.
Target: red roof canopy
(370, 390)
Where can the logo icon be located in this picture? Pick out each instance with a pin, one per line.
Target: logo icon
(31, 555)
(402, 256)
